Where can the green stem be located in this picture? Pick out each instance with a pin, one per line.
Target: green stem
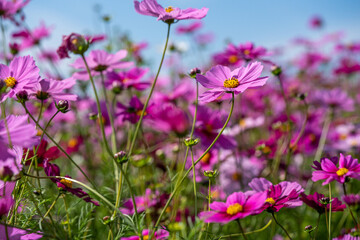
(248, 233)
(317, 226)
(351, 213)
(273, 215)
(98, 108)
(241, 229)
(194, 179)
(58, 146)
(177, 187)
(324, 133)
(149, 96)
(67, 217)
(51, 207)
(330, 211)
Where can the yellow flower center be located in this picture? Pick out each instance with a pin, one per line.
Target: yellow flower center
(236, 176)
(343, 136)
(146, 237)
(138, 113)
(246, 52)
(206, 159)
(270, 200)
(66, 182)
(234, 209)
(342, 171)
(169, 9)
(231, 83)
(74, 41)
(10, 82)
(72, 142)
(242, 123)
(233, 59)
(266, 150)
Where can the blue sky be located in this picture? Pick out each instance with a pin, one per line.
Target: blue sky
(267, 23)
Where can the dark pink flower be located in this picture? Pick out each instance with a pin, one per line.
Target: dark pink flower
(18, 234)
(43, 154)
(21, 74)
(328, 170)
(315, 201)
(30, 38)
(10, 162)
(316, 22)
(152, 8)
(66, 185)
(149, 200)
(159, 234)
(74, 43)
(127, 79)
(352, 199)
(238, 205)
(132, 112)
(8, 8)
(285, 194)
(222, 80)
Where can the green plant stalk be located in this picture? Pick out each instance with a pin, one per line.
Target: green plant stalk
(194, 178)
(241, 229)
(59, 147)
(51, 207)
(108, 150)
(323, 136)
(273, 215)
(248, 233)
(330, 211)
(132, 145)
(177, 187)
(67, 217)
(351, 213)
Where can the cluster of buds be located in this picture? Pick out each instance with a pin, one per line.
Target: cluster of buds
(63, 106)
(193, 72)
(189, 142)
(276, 70)
(121, 157)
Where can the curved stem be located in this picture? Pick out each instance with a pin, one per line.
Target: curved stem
(58, 146)
(149, 96)
(241, 229)
(98, 108)
(177, 187)
(351, 213)
(273, 215)
(247, 233)
(317, 226)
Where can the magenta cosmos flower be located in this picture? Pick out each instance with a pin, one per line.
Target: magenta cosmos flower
(238, 205)
(222, 80)
(51, 88)
(127, 79)
(18, 234)
(328, 170)
(160, 234)
(66, 185)
(192, 27)
(284, 194)
(147, 201)
(30, 38)
(100, 61)
(8, 8)
(6, 200)
(21, 74)
(152, 8)
(10, 162)
(21, 132)
(315, 201)
(43, 154)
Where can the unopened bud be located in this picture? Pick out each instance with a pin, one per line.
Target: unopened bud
(276, 70)
(63, 106)
(121, 157)
(77, 44)
(309, 228)
(324, 200)
(193, 72)
(210, 173)
(22, 96)
(93, 116)
(189, 142)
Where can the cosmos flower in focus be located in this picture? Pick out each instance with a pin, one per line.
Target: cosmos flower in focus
(316, 201)
(160, 235)
(223, 81)
(21, 74)
(238, 205)
(152, 8)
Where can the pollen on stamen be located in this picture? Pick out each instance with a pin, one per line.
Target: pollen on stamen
(10, 82)
(234, 209)
(231, 83)
(66, 182)
(169, 9)
(270, 200)
(342, 171)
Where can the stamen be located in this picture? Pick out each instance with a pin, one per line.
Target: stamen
(66, 182)
(270, 200)
(169, 9)
(342, 171)
(231, 83)
(10, 82)
(234, 209)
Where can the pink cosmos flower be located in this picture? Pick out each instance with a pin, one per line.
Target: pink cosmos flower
(160, 234)
(6, 200)
(314, 201)
(9, 7)
(222, 80)
(327, 170)
(152, 8)
(43, 154)
(316, 22)
(132, 112)
(127, 79)
(51, 88)
(10, 162)
(18, 234)
(149, 200)
(284, 194)
(238, 205)
(21, 74)
(30, 38)
(100, 61)
(204, 38)
(352, 199)
(21, 132)
(66, 185)
(49, 55)
(189, 28)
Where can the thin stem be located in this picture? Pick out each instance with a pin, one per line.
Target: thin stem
(41, 109)
(241, 229)
(177, 187)
(330, 211)
(98, 108)
(351, 213)
(59, 147)
(149, 96)
(248, 233)
(51, 207)
(324, 133)
(273, 215)
(194, 179)
(67, 217)
(317, 226)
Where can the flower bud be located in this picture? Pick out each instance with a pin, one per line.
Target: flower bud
(93, 116)
(211, 173)
(22, 96)
(63, 106)
(309, 228)
(276, 70)
(193, 72)
(121, 157)
(324, 200)
(189, 142)
(74, 43)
